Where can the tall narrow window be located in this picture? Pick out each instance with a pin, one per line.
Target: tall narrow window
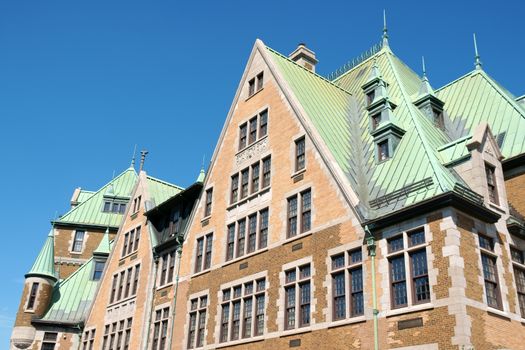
(292, 216)
(297, 297)
(252, 233)
(251, 87)
(260, 81)
(202, 256)
(370, 97)
(244, 183)
(267, 168)
(375, 120)
(125, 244)
(235, 188)
(518, 262)
(78, 241)
(306, 207)
(32, 296)
(299, 222)
(137, 239)
(300, 154)
(241, 237)
(197, 322)
(255, 178)
(160, 329)
(113, 288)
(209, 198)
(136, 279)
(491, 183)
(253, 130)
(171, 269)
(243, 132)
(247, 235)
(263, 229)
(263, 123)
(490, 272)
(121, 284)
(136, 204)
(243, 311)
(413, 251)
(382, 151)
(231, 242)
(97, 270)
(347, 270)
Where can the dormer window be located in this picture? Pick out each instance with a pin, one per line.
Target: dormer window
(491, 183)
(114, 207)
(370, 97)
(438, 118)
(376, 120)
(383, 152)
(254, 83)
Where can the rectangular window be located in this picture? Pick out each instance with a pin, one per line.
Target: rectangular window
(243, 132)
(247, 235)
(107, 207)
(299, 213)
(383, 152)
(175, 223)
(300, 156)
(260, 81)
(97, 270)
(136, 204)
(417, 273)
(231, 242)
(32, 296)
(136, 279)
(370, 97)
(375, 120)
(78, 241)
(490, 272)
(131, 241)
(252, 233)
(197, 322)
(239, 305)
(491, 183)
(347, 270)
(209, 197)
(160, 329)
(253, 131)
(113, 289)
(171, 269)
(263, 123)
(49, 341)
(117, 335)
(297, 297)
(202, 256)
(263, 228)
(255, 178)
(244, 183)
(251, 87)
(267, 168)
(235, 188)
(241, 237)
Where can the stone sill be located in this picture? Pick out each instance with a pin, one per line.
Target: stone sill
(408, 310)
(255, 93)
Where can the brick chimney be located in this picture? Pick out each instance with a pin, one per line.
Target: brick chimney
(304, 56)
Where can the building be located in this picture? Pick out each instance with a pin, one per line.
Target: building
(364, 210)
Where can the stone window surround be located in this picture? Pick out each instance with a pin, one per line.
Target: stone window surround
(250, 195)
(296, 191)
(280, 302)
(71, 242)
(155, 309)
(195, 273)
(246, 120)
(253, 211)
(198, 295)
(490, 231)
(307, 146)
(217, 330)
(384, 269)
(117, 272)
(254, 77)
(328, 311)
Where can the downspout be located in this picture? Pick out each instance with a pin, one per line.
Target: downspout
(153, 289)
(174, 303)
(371, 244)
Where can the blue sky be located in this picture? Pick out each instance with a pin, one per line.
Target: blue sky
(82, 82)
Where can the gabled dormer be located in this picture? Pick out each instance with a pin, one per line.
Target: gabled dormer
(428, 103)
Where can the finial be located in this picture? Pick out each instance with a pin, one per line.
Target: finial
(424, 67)
(385, 30)
(143, 154)
(133, 158)
(477, 62)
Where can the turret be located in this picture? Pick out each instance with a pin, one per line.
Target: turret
(38, 287)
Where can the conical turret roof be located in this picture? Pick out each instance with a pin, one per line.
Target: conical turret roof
(44, 265)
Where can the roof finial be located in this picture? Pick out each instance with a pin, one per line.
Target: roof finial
(385, 30)
(133, 158)
(424, 67)
(477, 62)
(143, 154)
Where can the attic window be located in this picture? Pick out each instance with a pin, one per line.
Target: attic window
(254, 83)
(114, 207)
(438, 118)
(491, 183)
(97, 271)
(383, 152)
(370, 97)
(375, 120)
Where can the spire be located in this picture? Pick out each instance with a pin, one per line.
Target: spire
(103, 247)
(143, 154)
(44, 265)
(133, 158)
(374, 72)
(385, 30)
(425, 87)
(202, 175)
(477, 62)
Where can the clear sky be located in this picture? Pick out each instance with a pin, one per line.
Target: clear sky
(82, 82)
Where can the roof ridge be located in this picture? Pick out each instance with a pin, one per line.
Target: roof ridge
(72, 210)
(374, 56)
(309, 71)
(503, 94)
(164, 182)
(456, 80)
(430, 155)
(356, 61)
(454, 142)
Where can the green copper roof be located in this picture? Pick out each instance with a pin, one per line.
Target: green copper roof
(476, 98)
(160, 191)
(338, 112)
(201, 176)
(89, 212)
(103, 247)
(45, 261)
(454, 151)
(84, 195)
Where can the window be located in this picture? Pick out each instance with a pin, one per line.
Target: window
(209, 197)
(250, 180)
(383, 152)
(254, 83)
(370, 97)
(253, 130)
(408, 246)
(88, 339)
(117, 335)
(197, 322)
(247, 235)
(299, 221)
(243, 309)
(49, 341)
(491, 183)
(125, 284)
(32, 296)
(97, 270)
(160, 329)
(297, 297)
(376, 120)
(131, 241)
(490, 271)
(78, 241)
(107, 207)
(438, 118)
(300, 156)
(136, 204)
(347, 284)
(203, 258)
(114, 207)
(167, 267)
(175, 223)
(518, 262)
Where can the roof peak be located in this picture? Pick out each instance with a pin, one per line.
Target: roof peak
(477, 61)
(44, 265)
(385, 31)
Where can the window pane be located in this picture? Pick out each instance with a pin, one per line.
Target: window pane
(338, 261)
(395, 244)
(338, 281)
(416, 237)
(263, 235)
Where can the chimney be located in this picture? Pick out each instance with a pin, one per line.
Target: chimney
(304, 57)
(74, 197)
(142, 159)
